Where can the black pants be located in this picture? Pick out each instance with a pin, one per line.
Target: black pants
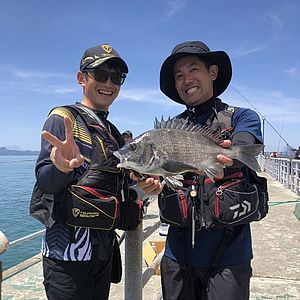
(69, 280)
(225, 283)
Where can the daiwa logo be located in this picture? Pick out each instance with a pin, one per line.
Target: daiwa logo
(245, 206)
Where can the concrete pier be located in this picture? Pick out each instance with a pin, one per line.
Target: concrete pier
(276, 263)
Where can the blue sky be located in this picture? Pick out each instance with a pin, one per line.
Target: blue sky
(42, 43)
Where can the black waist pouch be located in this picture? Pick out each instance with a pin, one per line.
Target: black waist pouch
(91, 207)
(230, 201)
(130, 212)
(116, 267)
(236, 202)
(174, 207)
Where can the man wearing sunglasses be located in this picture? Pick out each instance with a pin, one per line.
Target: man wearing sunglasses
(101, 75)
(77, 263)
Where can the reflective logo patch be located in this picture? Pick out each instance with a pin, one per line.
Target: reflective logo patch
(107, 48)
(75, 212)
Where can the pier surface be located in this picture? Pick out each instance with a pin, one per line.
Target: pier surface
(276, 263)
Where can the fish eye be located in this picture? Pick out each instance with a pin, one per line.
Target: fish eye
(132, 146)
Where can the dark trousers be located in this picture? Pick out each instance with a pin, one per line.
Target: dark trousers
(225, 283)
(75, 280)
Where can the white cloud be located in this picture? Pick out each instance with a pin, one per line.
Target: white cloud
(276, 21)
(247, 50)
(126, 121)
(37, 82)
(31, 74)
(64, 90)
(151, 96)
(293, 72)
(274, 105)
(173, 6)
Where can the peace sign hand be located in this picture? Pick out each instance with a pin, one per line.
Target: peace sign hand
(65, 155)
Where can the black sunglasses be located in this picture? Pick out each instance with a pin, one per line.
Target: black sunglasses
(102, 76)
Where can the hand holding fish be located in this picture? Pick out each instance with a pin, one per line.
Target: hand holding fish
(150, 186)
(65, 155)
(225, 160)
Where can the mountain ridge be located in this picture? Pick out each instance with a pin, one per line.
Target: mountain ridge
(5, 151)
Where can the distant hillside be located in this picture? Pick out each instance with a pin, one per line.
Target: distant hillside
(4, 151)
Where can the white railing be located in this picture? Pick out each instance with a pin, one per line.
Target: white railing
(284, 170)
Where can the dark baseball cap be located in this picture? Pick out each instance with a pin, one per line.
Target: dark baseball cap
(95, 56)
(127, 133)
(219, 58)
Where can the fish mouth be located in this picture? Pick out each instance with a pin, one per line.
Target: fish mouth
(124, 163)
(118, 155)
(121, 158)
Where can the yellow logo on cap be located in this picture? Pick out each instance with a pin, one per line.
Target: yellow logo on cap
(107, 48)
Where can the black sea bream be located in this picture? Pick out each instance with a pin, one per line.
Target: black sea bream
(177, 146)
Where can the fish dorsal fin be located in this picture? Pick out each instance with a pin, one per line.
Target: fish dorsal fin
(186, 125)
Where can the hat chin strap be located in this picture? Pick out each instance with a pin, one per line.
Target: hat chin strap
(214, 88)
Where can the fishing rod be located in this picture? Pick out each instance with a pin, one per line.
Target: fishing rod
(263, 117)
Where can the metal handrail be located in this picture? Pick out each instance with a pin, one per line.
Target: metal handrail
(284, 170)
(26, 238)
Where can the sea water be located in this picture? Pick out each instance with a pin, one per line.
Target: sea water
(16, 182)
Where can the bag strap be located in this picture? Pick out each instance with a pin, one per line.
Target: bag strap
(222, 121)
(88, 115)
(183, 265)
(216, 261)
(94, 123)
(224, 117)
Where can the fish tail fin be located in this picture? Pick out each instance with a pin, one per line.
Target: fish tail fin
(246, 154)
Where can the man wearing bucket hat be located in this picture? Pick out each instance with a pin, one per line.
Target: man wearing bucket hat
(77, 261)
(202, 263)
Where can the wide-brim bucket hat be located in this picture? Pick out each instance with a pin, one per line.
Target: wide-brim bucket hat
(219, 58)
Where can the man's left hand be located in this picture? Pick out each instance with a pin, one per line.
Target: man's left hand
(226, 161)
(150, 186)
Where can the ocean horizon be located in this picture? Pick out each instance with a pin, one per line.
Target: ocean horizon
(17, 180)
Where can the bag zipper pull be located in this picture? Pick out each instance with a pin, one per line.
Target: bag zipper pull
(193, 227)
(122, 188)
(122, 195)
(219, 191)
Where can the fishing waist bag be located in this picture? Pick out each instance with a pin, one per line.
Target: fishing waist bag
(90, 207)
(100, 209)
(232, 202)
(228, 202)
